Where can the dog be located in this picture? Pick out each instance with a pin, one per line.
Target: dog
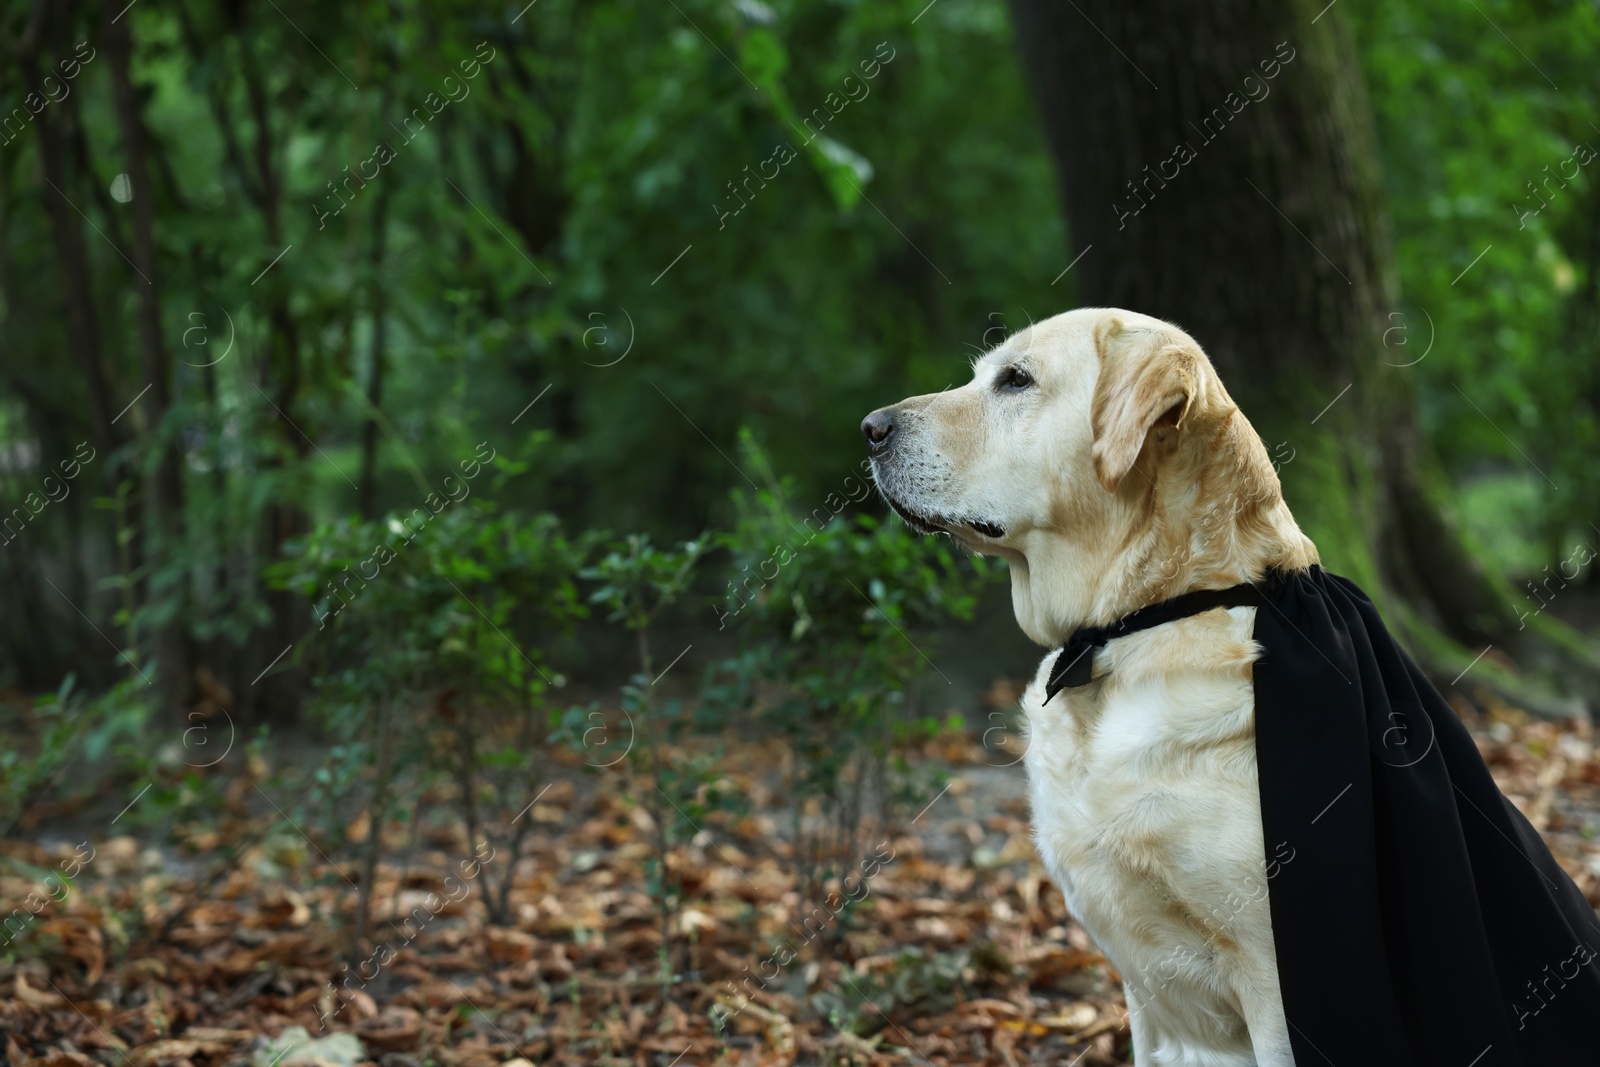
(1100, 456)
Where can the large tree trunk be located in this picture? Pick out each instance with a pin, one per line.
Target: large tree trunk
(1219, 170)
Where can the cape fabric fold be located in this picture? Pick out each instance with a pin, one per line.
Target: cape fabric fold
(1419, 919)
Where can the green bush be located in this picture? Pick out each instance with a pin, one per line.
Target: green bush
(835, 617)
(426, 671)
(637, 582)
(71, 730)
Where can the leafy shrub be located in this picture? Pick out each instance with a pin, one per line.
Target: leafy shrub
(835, 635)
(69, 729)
(422, 675)
(637, 582)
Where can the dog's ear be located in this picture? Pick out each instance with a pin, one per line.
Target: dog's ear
(1148, 382)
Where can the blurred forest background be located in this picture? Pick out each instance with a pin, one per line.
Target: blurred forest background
(432, 427)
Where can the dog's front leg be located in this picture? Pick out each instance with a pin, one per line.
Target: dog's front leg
(1144, 1042)
(1269, 1028)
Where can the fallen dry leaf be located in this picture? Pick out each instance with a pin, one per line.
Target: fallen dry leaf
(395, 1029)
(963, 948)
(510, 946)
(35, 998)
(172, 1049)
(1079, 1016)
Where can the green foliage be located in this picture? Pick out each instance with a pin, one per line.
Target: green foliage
(420, 678)
(638, 580)
(517, 244)
(837, 631)
(70, 730)
(1485, 115)
(416, 601)
(917, 984)
(512, 244)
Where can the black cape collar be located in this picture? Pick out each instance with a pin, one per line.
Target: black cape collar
(1417, 917)
(1073, 666)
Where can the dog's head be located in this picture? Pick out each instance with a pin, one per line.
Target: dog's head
(1099, 454)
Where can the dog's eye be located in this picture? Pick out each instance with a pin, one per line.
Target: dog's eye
(1015, 379)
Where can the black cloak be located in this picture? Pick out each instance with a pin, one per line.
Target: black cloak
(1419, 919)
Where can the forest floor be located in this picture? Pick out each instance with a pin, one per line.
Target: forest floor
(960, 953)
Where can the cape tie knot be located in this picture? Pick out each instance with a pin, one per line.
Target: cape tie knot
(1074, 666)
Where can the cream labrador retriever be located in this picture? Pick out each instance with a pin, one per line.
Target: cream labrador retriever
(1099, 454)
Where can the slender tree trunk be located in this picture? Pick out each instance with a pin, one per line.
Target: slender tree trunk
(1583, 329)
(1219, 170)
(276, 697)
(221, 656)
(83, 331)
(164, 489)
(50, 30)
(253, 166)
(380, 321)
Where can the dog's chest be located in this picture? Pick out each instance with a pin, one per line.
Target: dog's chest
(1145, 800)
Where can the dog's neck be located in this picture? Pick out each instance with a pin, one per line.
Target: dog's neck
(1209, 515)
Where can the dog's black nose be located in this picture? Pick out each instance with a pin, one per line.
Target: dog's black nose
(877, 427)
